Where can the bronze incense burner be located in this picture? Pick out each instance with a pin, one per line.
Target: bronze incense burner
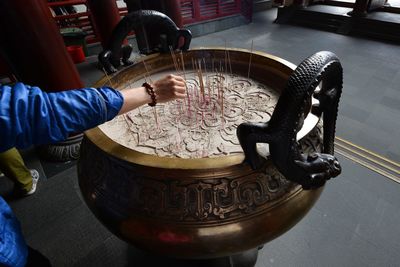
(215, 207)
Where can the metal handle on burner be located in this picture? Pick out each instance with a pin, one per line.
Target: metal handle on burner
(163, 32)
(314, 88)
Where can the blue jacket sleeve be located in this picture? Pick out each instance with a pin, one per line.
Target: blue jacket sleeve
(30, 116)
(13, 250)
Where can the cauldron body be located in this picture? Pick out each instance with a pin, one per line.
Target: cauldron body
(191, 208)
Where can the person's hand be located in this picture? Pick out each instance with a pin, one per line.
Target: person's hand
(169, 88)
(166, 89)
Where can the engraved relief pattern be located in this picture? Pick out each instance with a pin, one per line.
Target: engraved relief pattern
(119, 188)
(176, 200)
(203, 125)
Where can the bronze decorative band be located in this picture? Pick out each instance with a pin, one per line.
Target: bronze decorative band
(185, 200)
(201, 201)
(150, 91)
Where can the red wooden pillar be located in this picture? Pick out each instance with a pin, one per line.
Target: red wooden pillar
(31, 43)
(196, 10)
(33, 46)
(106, 16)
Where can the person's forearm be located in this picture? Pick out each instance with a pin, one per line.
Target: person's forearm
(30, 116)
(134, 98)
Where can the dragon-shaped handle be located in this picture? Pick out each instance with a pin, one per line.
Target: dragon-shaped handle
(142, 21)
(319, 76)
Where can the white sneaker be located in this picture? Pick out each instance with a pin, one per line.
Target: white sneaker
(35, 179)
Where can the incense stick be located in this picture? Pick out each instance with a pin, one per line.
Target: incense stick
(251, 53)
(174, 59)
(229, 61)
(183, 66)
(226, 59)
(108, 77)
(147, 71)
(184, 77)
(200, 74)
(156, 117)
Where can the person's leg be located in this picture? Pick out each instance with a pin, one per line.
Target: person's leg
(13, 166)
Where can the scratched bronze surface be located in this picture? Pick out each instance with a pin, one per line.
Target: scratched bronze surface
(201, 207)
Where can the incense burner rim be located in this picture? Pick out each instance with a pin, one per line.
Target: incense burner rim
(99, 138)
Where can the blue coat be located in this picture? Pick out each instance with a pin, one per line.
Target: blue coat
(30, 116)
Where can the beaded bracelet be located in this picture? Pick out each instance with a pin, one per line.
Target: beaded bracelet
(150, 91)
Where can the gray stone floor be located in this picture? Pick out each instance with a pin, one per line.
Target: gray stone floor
(354, 223)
